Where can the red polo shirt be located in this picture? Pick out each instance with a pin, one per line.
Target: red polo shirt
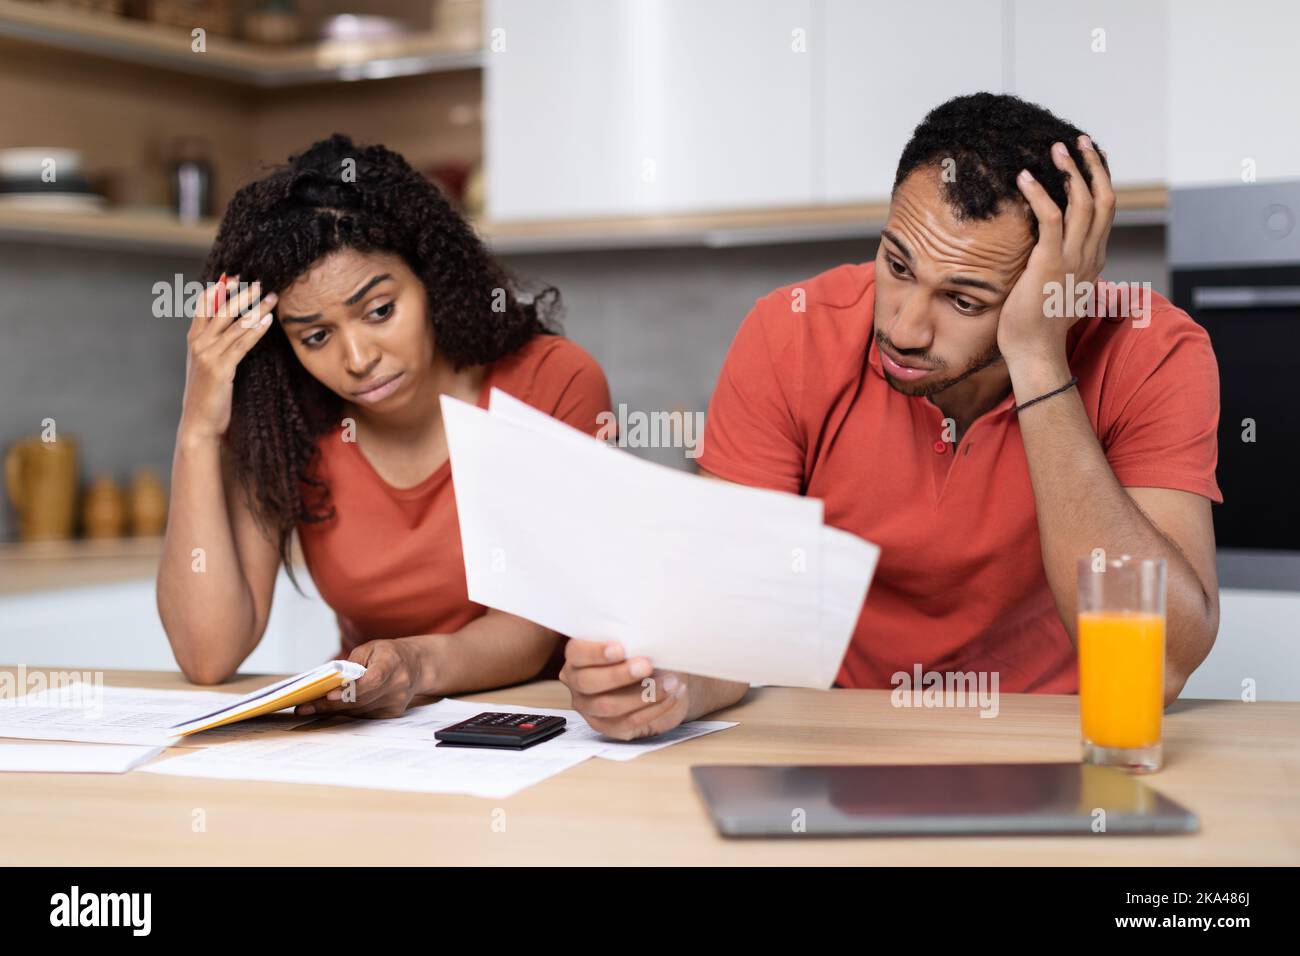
(802, 405)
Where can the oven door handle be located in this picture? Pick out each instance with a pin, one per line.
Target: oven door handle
(1245, 296)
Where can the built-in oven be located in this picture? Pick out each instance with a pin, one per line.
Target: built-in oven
(1234, 256)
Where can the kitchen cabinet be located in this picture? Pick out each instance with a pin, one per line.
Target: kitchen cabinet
(885, 66)
(1234, 78)
(1102, 65)
(624, 107)
(630, 109)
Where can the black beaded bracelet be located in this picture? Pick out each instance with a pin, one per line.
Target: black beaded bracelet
(1074, 380)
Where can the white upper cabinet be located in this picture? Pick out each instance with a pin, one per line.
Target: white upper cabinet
(1101, 65)
(1234, 88)
(886, 66)
(624, 107)
(640, 107)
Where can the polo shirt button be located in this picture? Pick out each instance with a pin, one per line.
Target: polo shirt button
(940, 446)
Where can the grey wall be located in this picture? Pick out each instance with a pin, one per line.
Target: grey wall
(79, 342)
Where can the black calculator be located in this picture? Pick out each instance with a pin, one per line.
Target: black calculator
(509, 731)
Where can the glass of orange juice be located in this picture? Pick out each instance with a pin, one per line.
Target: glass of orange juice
(1121, 639)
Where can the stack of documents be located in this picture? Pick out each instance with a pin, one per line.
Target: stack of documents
(93, 713)
(401, 753)
(700, 576)
(121, 727)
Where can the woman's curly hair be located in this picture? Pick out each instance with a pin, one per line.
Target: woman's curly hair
(274, 230)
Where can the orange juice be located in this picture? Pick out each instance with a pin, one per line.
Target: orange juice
(1121, 677)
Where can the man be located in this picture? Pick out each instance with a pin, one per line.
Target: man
(942, 406)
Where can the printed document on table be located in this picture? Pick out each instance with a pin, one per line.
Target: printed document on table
(94, 713)
(422, 723)
(73, 758)
(702, 576)
(344, 760)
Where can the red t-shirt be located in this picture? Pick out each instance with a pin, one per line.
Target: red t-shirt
(389, 563)
(802, 405)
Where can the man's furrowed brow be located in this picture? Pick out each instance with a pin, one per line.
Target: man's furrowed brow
(902, 246)
(977, 283)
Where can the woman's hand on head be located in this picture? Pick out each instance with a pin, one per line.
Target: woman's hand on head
(228, 321)
(395, 673)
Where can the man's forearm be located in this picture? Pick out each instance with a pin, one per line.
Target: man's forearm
(1081, 506)
(712, 693)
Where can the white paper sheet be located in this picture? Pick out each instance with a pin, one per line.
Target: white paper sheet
(121, 715)
(344, 760)
(421, 723)
(124, 715)
(73, 758)
(702, 576)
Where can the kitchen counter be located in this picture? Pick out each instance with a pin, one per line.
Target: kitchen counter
(48, 565)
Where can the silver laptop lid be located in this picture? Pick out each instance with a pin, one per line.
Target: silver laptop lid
(844, 800)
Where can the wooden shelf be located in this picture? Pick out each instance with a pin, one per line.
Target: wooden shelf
(29, 566)
(70, 549)
(1146, 205)
(50, 565)
(125, 229)
(236, 61)
(161, 233)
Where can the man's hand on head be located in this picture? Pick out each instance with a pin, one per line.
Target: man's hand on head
(1071, 250)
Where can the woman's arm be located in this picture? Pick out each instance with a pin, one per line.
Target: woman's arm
(494, 650)
(217, 574)
(218, 570)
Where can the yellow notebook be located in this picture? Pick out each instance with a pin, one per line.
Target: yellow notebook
(290, 692)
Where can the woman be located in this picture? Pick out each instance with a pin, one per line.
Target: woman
(351, 295)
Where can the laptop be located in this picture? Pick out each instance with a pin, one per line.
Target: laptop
(933, 800)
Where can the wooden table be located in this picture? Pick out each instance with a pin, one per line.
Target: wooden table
(1237, 765)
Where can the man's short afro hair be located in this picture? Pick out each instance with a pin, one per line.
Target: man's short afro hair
(991, 137)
